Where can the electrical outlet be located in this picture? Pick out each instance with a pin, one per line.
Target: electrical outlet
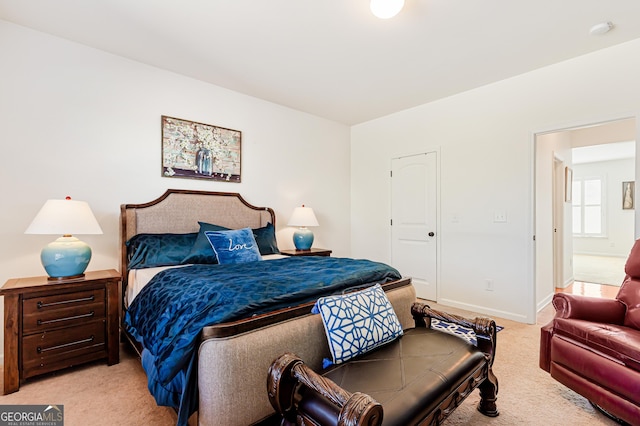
(499, 216)
(488, 285)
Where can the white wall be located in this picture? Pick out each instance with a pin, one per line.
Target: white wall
(77, 121)
(619, 223)
(486, 140)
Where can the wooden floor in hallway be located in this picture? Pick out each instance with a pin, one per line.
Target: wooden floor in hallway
(591, 289)
(580, 288)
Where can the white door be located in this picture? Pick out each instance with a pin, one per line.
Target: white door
(413, 221)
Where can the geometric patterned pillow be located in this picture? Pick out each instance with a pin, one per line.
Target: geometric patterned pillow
(457, 330)
(357, 322)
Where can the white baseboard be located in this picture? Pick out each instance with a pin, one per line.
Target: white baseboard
(543, 304)
(485, 311)
(567, 283)
(624, 256)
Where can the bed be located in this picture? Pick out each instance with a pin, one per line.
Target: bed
(221, 356)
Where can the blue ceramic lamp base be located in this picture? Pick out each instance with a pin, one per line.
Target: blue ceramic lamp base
(67, 257)
(303, 239)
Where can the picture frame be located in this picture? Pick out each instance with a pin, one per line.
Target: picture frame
(200, 151)
(568, 184)
(628, 195)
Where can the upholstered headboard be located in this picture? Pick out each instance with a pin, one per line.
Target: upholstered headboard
(178, 211)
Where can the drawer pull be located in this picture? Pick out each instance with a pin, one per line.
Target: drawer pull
(53, 321)
(64, 302)
(77, 342)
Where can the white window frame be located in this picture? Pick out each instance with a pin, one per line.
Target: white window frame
(603, 206)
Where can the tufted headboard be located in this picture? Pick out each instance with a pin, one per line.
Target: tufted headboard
(179, 210)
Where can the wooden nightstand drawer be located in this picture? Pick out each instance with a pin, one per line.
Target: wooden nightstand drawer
(54, 324)
(57, 349)
(62, 310)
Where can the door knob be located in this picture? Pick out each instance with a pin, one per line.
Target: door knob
(431, 234)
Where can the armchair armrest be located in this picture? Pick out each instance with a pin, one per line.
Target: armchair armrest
(323, 399)
(573, 306)
(485, 328)
(608, 311)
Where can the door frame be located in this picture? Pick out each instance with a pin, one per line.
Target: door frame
(427, 150)
(558, 222)
(534, 308)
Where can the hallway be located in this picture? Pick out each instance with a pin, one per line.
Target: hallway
(598, 269)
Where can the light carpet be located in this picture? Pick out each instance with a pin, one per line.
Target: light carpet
(599, 269)
(527, 395)
(97, 395)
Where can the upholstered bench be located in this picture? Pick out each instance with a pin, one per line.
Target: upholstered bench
(419, 378)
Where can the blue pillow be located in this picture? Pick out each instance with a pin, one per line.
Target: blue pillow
(236, 246)
(266, 239)
(357, 322)
(201, 252)
(150, 250)
(201, 249)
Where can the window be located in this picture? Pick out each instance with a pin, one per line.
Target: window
(588, 207)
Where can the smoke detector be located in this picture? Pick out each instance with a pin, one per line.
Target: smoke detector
(601, 28)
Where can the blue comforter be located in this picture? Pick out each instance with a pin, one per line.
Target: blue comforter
(168, 314)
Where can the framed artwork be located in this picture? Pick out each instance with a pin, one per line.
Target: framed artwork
(628, 198)
(200, 151)
(568, 184)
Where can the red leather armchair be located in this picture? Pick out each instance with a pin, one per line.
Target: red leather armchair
(593, 345)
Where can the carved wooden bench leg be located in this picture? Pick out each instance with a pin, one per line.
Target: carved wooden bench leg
(485, 330)
(488, 395)
(286, 374)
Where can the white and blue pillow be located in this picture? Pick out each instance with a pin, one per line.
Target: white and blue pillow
(356, 323)
(234, 246)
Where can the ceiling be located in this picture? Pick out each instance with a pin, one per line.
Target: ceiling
(333, 58)
(604, 152)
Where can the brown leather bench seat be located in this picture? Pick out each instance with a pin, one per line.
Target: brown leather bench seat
(419, 378)
(413, 375)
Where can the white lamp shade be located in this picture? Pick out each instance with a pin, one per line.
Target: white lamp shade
(303, 216)
(385, 9)
(64, 217)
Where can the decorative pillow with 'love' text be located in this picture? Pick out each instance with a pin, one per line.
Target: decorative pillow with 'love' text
(235, 246)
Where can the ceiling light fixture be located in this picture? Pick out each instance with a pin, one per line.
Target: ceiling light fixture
(385, 9)
(601, 28)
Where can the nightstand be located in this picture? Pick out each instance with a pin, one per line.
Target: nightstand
(54, 324)
(311, 252)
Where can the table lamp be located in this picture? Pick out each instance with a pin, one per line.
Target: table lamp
(303, 217)
(67, 257)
